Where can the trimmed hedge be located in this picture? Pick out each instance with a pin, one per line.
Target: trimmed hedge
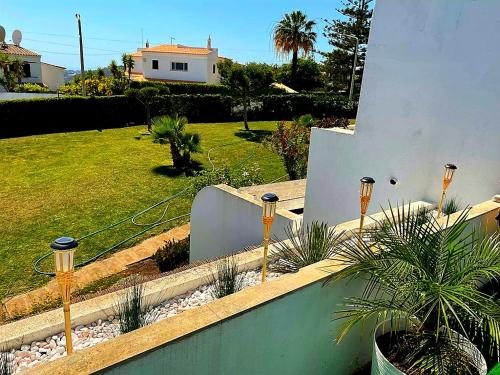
(285, 107)
(178, 88)
(49, 115)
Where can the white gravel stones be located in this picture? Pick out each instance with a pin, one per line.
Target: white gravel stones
(94, 333)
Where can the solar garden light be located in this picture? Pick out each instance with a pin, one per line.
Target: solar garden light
(64, 252)
(365, 194)
(269, 201)
(449, 170)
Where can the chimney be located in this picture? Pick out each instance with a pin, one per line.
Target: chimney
(147, 43)
(209, 42)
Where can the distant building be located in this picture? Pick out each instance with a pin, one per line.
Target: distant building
(35, 71)
(175, 62)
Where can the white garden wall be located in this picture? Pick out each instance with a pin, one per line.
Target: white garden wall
(430, 96)
(224, 221)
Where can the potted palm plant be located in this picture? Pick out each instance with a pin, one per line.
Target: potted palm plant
(423, 284)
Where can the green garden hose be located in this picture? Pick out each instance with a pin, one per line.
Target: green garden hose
(135, 217)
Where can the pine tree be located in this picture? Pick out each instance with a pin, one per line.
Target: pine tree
(355, 20)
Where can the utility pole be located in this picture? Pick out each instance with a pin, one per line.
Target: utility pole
(82, 68)
(172, 40)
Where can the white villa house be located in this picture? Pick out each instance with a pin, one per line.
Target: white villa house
(175, 62)
(35, 71)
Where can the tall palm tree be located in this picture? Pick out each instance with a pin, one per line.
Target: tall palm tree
(429, 275)
(128, 64)
(115, 70)
(293, 33)
(167, 129)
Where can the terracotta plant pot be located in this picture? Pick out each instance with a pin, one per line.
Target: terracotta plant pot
(382, 366)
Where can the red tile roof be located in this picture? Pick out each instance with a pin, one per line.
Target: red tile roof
(174, 48)
(12, 49)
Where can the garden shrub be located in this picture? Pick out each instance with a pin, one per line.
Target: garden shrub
(172, 255)
(131, 309)
(178, 88)
(236, 177)
(308, 244)
(225, 280)
(48, 115)
(32, 87)
(291, 143)
(332, 122)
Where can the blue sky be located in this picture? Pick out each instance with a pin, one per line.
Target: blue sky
(240, 29)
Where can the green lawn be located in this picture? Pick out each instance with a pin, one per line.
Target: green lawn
(74, 183)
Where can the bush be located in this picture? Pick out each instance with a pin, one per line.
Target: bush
(225, 280)
(308, 245)
(172, 255)
(292, 145)
(93, 87)
(48, 115)
(32, 87)
(332, 122)
(236, 178)
(451, 206)
(279, 107)
(179, 88)
(131, 310)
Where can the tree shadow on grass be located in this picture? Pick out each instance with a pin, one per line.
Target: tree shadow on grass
(171, 171)
(253, 135)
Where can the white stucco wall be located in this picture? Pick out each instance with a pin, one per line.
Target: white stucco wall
(35, 68)
(212, 59)
(198, 66)
(430, 96)
(224, 221)
(52, 76)
(137, 64)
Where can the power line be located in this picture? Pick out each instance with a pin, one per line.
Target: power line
(72, 45)
(87, 37)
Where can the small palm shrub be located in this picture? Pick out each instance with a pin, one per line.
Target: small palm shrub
(291, 143)
(5, 365)
(451, 206)
(131, 310)
(171, 130)
(307, 245)
(306, 120)
(429, 276)
(225, 280)
(172, 255)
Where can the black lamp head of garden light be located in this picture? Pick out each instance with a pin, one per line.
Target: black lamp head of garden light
(64, 254)
(64, 243)
(269, 201)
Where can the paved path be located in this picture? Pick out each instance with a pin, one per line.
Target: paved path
(23, 304)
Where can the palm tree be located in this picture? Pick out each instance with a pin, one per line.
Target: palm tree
(293, 33)
(167, 129)
(430, 276)
(115, 70)
(128, 64)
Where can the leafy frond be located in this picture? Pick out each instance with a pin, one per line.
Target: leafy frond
(307, 245)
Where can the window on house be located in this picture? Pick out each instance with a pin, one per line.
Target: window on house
(183, 67)
(154, 64)
(213, 69)
(27, 70)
